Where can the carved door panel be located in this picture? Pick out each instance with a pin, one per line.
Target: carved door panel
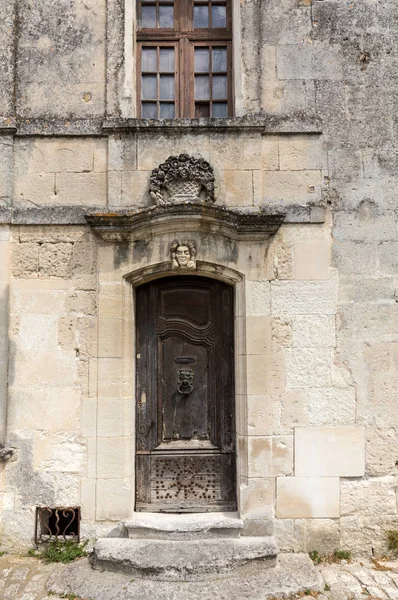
(185, 459)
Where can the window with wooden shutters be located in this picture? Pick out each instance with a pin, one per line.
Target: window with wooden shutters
(184, 58)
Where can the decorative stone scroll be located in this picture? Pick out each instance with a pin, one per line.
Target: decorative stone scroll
(182, 179)
(183, 254)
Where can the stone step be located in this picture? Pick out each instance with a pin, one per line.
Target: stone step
(183, 526)
(172, 560)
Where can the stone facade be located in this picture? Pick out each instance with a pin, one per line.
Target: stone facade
(316, 303)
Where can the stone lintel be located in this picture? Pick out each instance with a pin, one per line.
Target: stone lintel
(193, 217)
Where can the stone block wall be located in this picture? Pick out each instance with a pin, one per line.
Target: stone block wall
(317, 322)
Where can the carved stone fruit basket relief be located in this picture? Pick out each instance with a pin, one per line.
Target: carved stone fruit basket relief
(182, 179)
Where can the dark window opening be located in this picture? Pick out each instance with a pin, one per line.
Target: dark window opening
(61, 522)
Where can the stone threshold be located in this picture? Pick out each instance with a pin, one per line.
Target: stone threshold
(145, 524)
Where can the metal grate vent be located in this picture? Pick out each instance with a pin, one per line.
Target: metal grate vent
(59, 523)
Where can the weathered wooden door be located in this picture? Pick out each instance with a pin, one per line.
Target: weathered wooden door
(185, 460)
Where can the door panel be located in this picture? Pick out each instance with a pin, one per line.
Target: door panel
(185, 396)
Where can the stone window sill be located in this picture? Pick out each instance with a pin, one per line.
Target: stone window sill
(260, 124)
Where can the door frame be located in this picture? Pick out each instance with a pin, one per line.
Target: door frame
(236, 280)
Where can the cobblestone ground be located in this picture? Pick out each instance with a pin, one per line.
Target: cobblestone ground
(23, 578)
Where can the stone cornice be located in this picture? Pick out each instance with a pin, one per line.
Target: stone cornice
(100, 126)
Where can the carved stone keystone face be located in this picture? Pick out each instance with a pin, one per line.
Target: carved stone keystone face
(183, 254)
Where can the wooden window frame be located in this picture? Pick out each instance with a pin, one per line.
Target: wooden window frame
(185, 38)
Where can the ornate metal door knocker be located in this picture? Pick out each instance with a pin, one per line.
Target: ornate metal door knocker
(185, 381)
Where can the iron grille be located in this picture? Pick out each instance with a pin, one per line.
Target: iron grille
(59, 523)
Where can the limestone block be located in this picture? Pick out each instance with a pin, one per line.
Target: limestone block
(237, 188)
(135, 186)
(87, 494)
(308, 367)
(89, 417)
(303, 297)
(373, 321)
(37, 301)
(290, 535)
(257, 497)
(387, 253)
(241, 151)
(355, 258)
(304, 61)
(153, 151)
(292, 186)
(81, 302)
(55, 260)
(311, 260)
(369, 497)
(270, 152)
(257, 376)
(314, 331)
(258, 297)
(81, 189)
(293, 233)
(100, 147)
(381, 444)
(110, 420)
(115, 189)
(58, 452)
(282, 455)
(288, 96)
(281, 329)
(276, 380)
(52, 233)
(54, 409)
(307, 497)
(78, 334)
(258, 334)
(110, 374)
(45, 369)
(260, 456)
(330, 451)
(366, 535)
(294, 406)
(114, 498)
(91, 464)
(301, 152)
(262, 415)
(6, 169)
(110, 338)
(34, 189)
(366, 225)
(84, 265)
(25, 260)
(322, 535)
(284, 267)
(331, 406)
(54, 155)
(37, 332)
(110, 457)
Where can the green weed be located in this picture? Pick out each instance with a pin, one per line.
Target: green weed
(60, 552)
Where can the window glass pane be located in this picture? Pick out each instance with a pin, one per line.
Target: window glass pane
(149, 110)
(219, 59)
(149, 59)
(202, 110)
(202, 64)
(166, 16)
(219, 87)
(219, 16)
(149, 87)
(148, 16)
(167, 60)
(202, 87)
(200, 16)
(167, 111)
(167, 88)
(220, 109)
